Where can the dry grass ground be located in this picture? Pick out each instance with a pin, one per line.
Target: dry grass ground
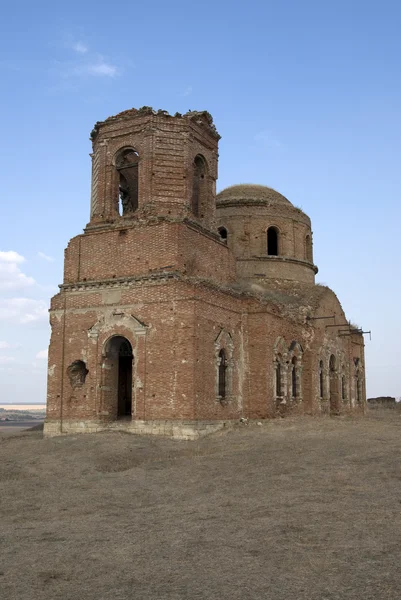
(290, 510)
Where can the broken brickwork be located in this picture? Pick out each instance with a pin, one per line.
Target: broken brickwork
(181, 311)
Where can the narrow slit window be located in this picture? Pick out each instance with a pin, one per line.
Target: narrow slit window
(222, 374)
(294, 378)
(321, 389)
(272, 241)
(343, 388)
(358, 388)
(278, 379)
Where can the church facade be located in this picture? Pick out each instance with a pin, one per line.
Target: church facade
(182, 310)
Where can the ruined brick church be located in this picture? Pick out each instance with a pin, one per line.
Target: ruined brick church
(182, 310)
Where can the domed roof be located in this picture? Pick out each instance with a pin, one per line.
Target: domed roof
(249, 193)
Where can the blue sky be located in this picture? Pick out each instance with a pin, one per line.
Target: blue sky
(306, 96)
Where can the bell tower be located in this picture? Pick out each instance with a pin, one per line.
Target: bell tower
(150, 164)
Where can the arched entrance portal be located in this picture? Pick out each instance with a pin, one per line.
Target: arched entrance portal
(119, 360)
(124, 404)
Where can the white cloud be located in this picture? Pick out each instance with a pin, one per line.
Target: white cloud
(80, 48)
(100, 69)
(41, 354)
(23, 310)
(6, 360)
(11, 276)
(45, 257)
(188, 91)
(11, 257)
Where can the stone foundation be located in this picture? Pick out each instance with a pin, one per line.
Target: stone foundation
(178, 430)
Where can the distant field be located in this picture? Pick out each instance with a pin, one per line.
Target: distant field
(23, 407)
(294, 509)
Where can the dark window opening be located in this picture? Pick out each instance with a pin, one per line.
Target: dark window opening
(294, 378)
(222, 374)
(278, 379)
(128, 169)
(223, 234)
(272, 241)
(343, 391)
(358, 388)
(198, 186)
(332, 363)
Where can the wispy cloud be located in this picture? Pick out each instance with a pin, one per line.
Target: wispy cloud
(99, 68)
(45, 257)
(80, 48)
(269, 140)
(81, 63)
(42, 354)
(23, 311)
(6, 345)
(5, 360)
(188, 91)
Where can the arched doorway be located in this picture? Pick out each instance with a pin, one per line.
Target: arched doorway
(119, 360)
(334, 407)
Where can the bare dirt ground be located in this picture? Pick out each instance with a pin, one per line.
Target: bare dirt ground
(291, 510)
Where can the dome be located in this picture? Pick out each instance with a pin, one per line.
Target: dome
(247, 193)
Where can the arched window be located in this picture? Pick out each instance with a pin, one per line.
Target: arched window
(223, 354)
(223, 234)
(127, 165)
(332, 364)
(278, 378)
(308, 248)
(321, 384)
(294, 378)
(199, 183)
(222, 374)
(272, 241)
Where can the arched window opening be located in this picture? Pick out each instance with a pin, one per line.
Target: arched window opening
(222, 374)
(278, 380)
(343, 388)
(199, 186)
(294, 378)
(223, 234)
(321, 382)
(334, 387)
(308, 248)
(272, 241)
(127, 166)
